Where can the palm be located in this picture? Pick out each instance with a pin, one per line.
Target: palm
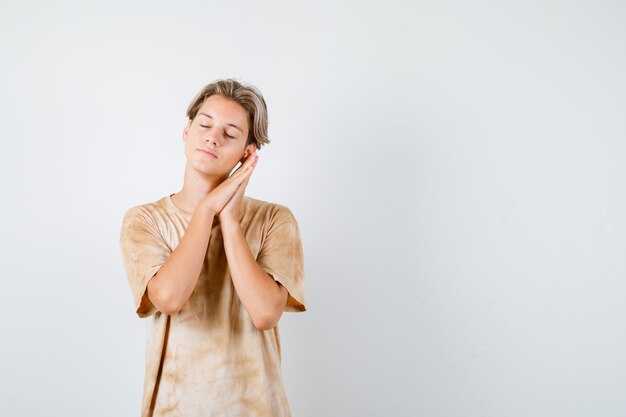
(231, 208)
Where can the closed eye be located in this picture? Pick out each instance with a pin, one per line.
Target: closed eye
(227, 135)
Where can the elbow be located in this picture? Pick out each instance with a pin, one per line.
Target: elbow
(267, 321)
(162, 301)
(168, 308)
(167, 305)
(269, 318)
(265, 324)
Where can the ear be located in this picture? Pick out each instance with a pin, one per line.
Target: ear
(186, 130)
(247, 151)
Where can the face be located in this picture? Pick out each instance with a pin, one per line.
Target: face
(215, 140)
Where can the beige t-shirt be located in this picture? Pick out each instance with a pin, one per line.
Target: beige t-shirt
(209, 359)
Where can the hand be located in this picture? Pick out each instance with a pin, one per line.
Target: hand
(217, 199)
(230, 211)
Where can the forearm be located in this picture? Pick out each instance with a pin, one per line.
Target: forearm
(172, 286)
(262, 297)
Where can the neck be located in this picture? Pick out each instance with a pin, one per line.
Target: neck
(196, 186)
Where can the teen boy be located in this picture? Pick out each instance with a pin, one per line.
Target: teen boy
(213, 270)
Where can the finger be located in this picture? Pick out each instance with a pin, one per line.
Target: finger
(248, 172)
(236, 177)
(245, 169)
(230, 187)
(245, 178)
(240, 168)
(250, 160)
(245, 182)
(239, 192)
(241, 189)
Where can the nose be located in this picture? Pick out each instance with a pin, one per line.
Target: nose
(214, 137)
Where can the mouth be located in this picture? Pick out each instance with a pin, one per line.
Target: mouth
(208, 153)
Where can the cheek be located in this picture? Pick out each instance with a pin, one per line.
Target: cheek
(190, 149)
(231, 160)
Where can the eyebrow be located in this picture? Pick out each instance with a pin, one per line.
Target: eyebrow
(229, 124)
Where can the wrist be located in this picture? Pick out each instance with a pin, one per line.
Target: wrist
(228, 221)
(206, 210)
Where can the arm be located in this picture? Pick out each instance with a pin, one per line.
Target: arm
(263, 298)
(172, 285)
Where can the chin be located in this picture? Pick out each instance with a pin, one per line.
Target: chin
(205, 170)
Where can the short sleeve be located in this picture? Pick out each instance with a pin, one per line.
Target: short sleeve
(143, 253)
(281, 256)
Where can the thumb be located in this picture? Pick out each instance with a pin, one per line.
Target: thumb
(241, 187)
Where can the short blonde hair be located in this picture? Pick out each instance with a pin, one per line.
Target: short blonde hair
(246, 95)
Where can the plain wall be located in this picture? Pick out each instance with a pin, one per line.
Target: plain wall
(456, 168)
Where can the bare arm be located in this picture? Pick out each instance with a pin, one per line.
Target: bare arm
(172, 285)
(263, 298)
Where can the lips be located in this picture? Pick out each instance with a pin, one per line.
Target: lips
(208, 152)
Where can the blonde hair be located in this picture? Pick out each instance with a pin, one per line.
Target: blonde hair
(246, 95)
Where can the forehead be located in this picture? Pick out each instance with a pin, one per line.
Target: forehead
(223, 110)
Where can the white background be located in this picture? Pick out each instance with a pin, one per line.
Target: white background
(456, 168)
